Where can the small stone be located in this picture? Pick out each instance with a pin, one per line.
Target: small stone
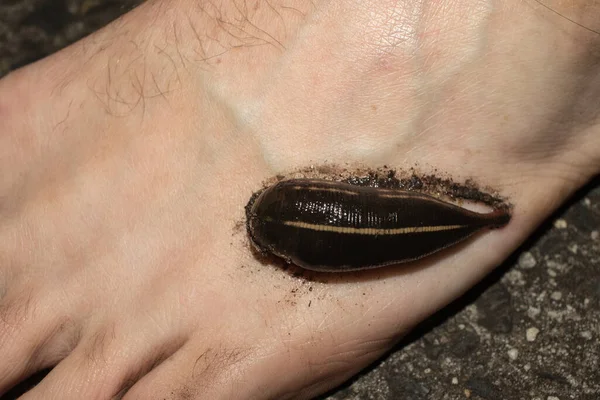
(586, 335)
(527, 367)
(464, 343)
(483, 388)
(595, 235)
(560, 223)
(515, 277)
(427, 370)
(455, 381)
(531, 334)
(513, 354)
(527, 260)
(552, 273)
(573, 248)
(553, 264)
(495, 310)
(552, 398)
(556, 295)
(555, 315)
(533, 312)
(541, 297)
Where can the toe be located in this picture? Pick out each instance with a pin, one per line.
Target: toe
(107, 362)
(32, 335)
(195, 371)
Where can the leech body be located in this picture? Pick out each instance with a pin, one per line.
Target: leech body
(333, 226)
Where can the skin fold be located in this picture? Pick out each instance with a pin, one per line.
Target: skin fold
(127, 160)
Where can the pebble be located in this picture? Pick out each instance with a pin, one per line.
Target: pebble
(595, 235)
(541, 297)
(455, 381)
(586, 335)
(531, 334)
(527, 260)
(515, 277)
(533, 312)
(552, 398)
(560, 223)
(556, 295)
(513, 354)
(558, 315)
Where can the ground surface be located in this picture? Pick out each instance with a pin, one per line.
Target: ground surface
(530, 331)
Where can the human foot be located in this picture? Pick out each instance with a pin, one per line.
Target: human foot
(132, 154)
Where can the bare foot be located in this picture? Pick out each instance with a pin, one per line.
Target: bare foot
(127, 160)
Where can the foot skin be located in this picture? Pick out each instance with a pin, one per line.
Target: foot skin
(127, 160)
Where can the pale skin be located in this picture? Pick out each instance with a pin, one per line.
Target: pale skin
(127, 160)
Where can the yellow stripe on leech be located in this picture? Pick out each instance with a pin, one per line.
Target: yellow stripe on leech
(372, 231)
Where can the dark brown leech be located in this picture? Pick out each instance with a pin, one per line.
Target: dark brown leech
(334, 226)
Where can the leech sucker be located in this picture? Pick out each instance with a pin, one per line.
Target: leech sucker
(334, 226)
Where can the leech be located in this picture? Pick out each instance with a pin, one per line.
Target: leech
(334, 226)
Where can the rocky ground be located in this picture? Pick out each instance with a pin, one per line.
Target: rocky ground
(531, 331)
